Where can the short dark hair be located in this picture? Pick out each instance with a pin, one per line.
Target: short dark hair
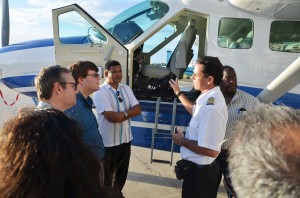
(110, 64)
(46, 78)
(81, 68)
(43, 155)
(228, 67)
(212, 67)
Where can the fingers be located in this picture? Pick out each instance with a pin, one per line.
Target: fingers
(177, 137)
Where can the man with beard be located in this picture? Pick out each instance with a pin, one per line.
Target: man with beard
(238, 102)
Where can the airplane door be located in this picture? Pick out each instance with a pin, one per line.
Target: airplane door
(77, 36)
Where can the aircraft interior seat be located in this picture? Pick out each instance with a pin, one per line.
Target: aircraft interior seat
(243, 43)
(236, 44)
(180, 57)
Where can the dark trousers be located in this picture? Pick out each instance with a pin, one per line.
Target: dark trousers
(116, 160)
(224, 170)
(201, 182)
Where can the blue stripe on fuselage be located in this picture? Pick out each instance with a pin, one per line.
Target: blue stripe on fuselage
(18, 81)
(27, 45)
(288, 99)
(43, 43)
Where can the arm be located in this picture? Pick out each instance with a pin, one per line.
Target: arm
(192, 145)
(188, 105)
(117, 117)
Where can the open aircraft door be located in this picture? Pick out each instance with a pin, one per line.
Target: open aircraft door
(77, 36)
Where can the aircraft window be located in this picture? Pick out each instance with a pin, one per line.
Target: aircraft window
(74, 29)
(235, 33)
(135, 20)
(285, 36)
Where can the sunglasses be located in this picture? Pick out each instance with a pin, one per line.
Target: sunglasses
(119, 97)
(94, 75)
(74, 85)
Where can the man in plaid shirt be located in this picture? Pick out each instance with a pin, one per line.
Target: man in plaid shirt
(238, 102)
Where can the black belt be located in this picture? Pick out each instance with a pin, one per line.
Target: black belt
(203, 166)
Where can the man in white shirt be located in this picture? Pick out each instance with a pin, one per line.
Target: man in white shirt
(116, 104)
(205, 134)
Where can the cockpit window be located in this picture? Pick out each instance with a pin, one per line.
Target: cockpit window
(235, 33)
(74, 29)
(285, 36)
(128, 25)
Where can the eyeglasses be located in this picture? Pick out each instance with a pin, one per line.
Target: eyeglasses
(94, 75)
(74, 85)
(119, 98)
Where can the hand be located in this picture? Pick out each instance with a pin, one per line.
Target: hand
(174, 85)
(177, 136)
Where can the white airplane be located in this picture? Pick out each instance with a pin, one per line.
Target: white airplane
(259, 38)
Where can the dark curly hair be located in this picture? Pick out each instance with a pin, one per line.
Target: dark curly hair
(42, 155)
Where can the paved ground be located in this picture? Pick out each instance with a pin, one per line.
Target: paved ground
(145, 179)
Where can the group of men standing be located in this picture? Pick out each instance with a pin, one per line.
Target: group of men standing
(109, 134)
(109, 137)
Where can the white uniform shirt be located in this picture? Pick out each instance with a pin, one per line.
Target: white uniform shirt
(240, 100)
(105, 99)
(207, 126)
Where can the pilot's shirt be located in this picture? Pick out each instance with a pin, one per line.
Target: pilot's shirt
(207, 126)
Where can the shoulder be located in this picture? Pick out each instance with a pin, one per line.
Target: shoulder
(246, 97)
(245, 94)
(104, 89)
(124, 86)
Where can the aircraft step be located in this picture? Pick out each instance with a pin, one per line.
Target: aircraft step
(156, 131)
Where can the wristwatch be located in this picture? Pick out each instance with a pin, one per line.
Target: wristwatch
(126, 114)
(178, 94)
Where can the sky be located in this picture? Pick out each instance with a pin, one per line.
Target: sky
(32, 19)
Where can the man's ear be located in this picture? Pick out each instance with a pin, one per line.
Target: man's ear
(57, 87)
(211, 80)
(80, 80)
(106, 73)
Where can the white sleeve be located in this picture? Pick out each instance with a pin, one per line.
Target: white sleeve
(102, 101)
(212, 129)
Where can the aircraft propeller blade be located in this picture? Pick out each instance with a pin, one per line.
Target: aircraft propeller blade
(5, 24)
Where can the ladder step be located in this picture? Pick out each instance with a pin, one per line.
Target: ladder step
(161, 161)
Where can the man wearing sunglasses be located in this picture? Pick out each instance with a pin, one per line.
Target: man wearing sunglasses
(205, 134)
(116, 104)
(86, 75)
(56, 88)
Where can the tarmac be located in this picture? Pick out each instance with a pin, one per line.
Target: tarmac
(145, 179)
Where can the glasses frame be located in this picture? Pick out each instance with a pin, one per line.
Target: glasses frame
(94, 75)
(70, 83)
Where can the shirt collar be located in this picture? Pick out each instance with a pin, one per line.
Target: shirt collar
(88, 101)
(43, 105)
(107, 86)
